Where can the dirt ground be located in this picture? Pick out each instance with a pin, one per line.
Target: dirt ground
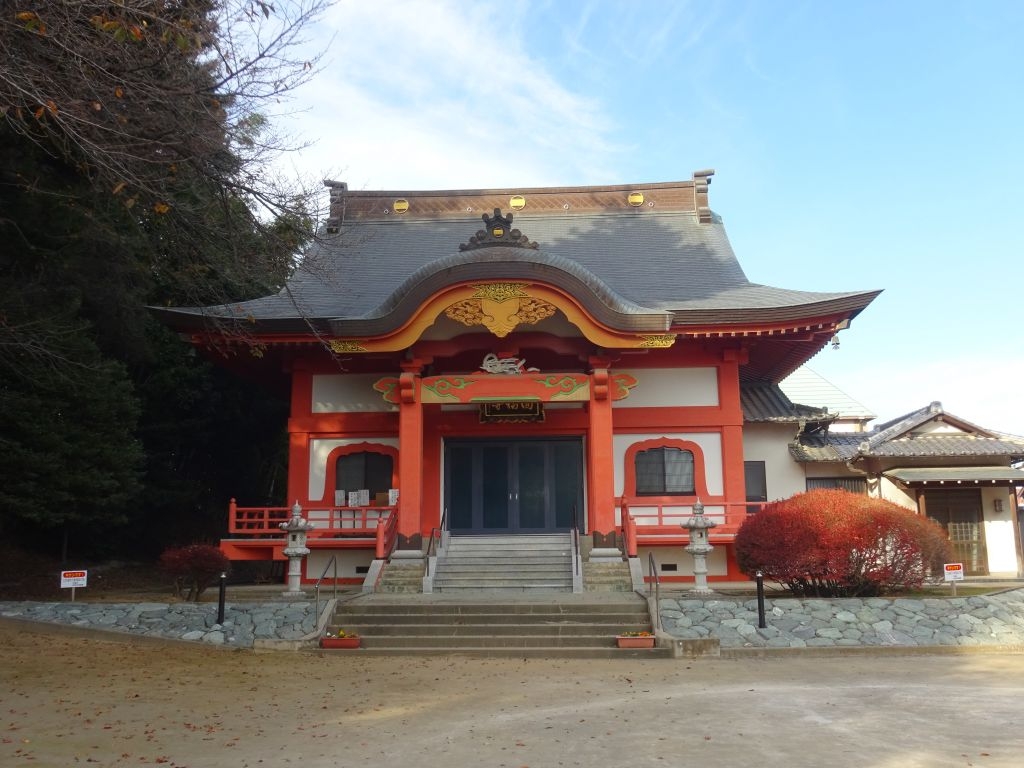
(68, 700)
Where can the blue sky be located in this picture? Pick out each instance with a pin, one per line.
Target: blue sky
(857, 146)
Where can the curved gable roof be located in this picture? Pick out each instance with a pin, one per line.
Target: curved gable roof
(665, 263)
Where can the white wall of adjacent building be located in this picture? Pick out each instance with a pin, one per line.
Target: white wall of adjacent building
(769, 443)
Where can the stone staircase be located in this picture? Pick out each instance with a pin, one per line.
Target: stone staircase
(556, 625)
(505, 564)
(607, 577)
(401, 576)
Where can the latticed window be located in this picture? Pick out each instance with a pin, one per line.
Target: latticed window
(851, 484)
(664, 472)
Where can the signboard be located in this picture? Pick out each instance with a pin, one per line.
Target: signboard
(953, 571)
(72, 579)
(515, 411)
(360, 498)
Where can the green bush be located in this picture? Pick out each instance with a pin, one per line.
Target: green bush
(829, 543)
(195, 566)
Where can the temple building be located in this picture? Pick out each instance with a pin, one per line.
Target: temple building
(583, 362)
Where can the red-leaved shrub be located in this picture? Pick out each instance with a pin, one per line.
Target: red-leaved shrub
(835, 543)
(195, 566)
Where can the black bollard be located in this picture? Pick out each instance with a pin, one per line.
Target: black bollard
(220, 598)
(760, 601)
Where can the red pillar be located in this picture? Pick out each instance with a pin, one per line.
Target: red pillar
(298, 441)
(410, 453)
(600, 466)
(734, 482)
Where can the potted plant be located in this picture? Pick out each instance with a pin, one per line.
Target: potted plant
(642, 639)
(340, 639)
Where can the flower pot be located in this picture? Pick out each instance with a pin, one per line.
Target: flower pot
(634, 642)
(340, 642)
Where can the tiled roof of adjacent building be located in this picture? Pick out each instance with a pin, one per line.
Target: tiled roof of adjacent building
(808, 386)
(901, 439)
(767, 402)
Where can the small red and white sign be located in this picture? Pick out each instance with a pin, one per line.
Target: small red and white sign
(953, 571)
(72, 579)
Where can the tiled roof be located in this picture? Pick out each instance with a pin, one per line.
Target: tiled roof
(836, 446)
(767, 402)
(897, 439)
(948, 445)
(808, 386)
(656, 265)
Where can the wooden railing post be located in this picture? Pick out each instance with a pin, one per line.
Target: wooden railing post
(232, 516)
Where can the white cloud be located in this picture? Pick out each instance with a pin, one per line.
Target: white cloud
(443, 94)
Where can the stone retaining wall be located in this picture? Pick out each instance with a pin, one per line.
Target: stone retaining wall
(804, 623)
(244, 624)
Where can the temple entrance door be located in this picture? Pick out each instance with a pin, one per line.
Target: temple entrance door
(512, 486)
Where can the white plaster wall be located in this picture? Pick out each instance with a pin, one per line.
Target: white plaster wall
(937, 428)
(671, 387)
(348, 393)
(347, 559)
(320, 449)
(770, 443)
(717, 565)
(999, 533)
(710, 444)
(891, 491)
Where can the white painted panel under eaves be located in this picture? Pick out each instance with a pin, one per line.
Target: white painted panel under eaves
(661, 387)
(348, 393)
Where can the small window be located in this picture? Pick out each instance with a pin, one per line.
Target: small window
(664, 472)
(756, 480)
(851, 484)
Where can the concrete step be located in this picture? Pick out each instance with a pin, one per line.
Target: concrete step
(489, 641)
(587, 630)
(530, 567)
(526, 610)
(476, 585)
(530, 624)
(540, 652)
(501, 560)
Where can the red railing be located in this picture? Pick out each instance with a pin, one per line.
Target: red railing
(264, 522)
(642, 520)
(387, 535)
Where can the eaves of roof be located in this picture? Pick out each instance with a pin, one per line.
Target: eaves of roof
(766, 402)
(957, 475)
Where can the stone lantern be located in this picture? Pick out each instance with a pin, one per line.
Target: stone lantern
(295, 550)
(699, 547)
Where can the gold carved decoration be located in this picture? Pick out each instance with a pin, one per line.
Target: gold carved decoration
(342, 346)
(500, 307)
(500, 291)
(658, 341)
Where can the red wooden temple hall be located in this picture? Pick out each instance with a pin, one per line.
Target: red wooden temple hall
(518, 361)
